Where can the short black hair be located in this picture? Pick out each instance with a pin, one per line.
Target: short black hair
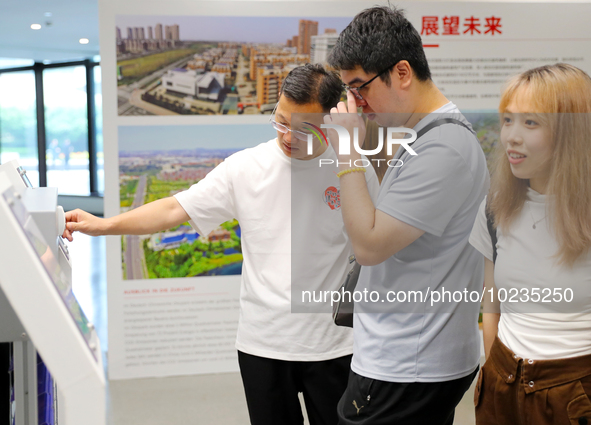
(312, 83)
(379, 37)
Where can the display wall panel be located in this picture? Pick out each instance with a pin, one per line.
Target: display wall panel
(472, 49)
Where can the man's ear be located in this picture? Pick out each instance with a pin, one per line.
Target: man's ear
(402, 74)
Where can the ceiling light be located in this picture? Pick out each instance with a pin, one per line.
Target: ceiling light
(47, 14)
(83, 41)
(35, 27)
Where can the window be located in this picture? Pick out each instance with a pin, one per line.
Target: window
(66, 130)
(18, 122)
(51, 122)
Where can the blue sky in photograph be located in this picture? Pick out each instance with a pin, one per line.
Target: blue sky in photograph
(174, 137)
(230, 28)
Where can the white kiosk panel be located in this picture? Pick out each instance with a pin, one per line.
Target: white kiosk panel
(39, 290)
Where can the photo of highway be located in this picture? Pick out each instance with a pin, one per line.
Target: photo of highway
(213, 65)
(150, 170)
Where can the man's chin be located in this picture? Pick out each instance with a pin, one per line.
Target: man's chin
(379, 119)
(292, 153)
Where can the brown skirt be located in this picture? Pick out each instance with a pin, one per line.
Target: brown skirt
(515, 391)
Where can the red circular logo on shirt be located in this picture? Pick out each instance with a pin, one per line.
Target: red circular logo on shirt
(332, 198)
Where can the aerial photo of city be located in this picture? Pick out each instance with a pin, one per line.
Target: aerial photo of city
(200, 65)
(158, 161)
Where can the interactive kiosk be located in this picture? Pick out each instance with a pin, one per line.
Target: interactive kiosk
(38, 311)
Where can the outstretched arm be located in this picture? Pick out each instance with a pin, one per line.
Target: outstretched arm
(150, 218)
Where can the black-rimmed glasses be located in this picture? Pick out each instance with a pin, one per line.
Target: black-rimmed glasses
(355, 90)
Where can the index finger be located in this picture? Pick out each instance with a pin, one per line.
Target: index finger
(68, 235)
(351, 103)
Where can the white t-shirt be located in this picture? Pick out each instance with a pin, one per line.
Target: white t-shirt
(541, 330)
(261, 187)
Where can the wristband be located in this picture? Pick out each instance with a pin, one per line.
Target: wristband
(351, 170)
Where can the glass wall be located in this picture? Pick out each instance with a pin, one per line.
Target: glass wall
(45, 107)
(18, 121)
(66, 130)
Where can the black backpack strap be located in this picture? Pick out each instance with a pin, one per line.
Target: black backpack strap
(431, 126)
(492, 230)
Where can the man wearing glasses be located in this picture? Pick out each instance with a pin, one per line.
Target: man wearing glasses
(412, 361)
(292, 233)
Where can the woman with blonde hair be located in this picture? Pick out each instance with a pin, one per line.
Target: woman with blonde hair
(537, 308)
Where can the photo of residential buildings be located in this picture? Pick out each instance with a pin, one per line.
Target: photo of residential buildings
(159, 161)
(213, 65)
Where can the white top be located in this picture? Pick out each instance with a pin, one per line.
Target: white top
(541, 330)
(439, 191)
(261, 187)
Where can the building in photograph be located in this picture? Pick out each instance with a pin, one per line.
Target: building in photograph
(204, 86)
(219, 234)
(276, 57)
(181, 80)
(172, 240)
(228, 45)
(269, 80)
(198, 65)
(150, 33)
(322, 46)
(223, 68)
(210, 86)
(172, 32)
(175, 33)
(158, 30)
(307, 29)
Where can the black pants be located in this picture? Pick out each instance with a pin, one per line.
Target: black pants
(272, 388)
(370, 401)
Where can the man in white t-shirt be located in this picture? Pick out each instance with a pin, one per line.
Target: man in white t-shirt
(292, 233)
(412, 360)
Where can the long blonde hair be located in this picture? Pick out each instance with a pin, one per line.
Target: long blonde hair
(563, 92)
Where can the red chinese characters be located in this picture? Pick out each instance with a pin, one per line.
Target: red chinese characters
(472, 23)
(493, 24)
(451, 26)
(430, 25)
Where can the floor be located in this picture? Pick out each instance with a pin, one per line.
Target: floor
(216, 399)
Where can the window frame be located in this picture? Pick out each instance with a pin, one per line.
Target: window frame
(38, 69)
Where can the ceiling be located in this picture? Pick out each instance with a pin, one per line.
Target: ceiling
(70, 21)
